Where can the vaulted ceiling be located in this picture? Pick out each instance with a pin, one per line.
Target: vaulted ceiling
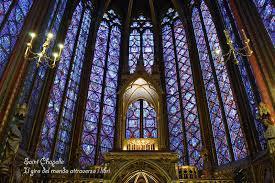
(140, 7)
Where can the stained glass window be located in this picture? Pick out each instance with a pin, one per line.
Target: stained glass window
(5, 6)
(221, 103)
(243, 67)
(141, 120)
(99, 120)
(184, 127)
(133, 129)
(35, 77)
(149, 121)
(11, 28)
(63, 95)
(141, 41)
(266, 10)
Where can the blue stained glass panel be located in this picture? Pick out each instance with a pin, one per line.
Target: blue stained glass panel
(191, 121)
(57, 91)
(181, 101)
(266, 10)
(91, 119)
(148, 49)
(109, 107)
(176, 132)
(149, 121)
(230, 108)
(4, 8)
(133, 120)
(214, 107)
(11, 30)
(99, 122)
(134, 50)
(141, 34)
(64, 137)
(141, 120)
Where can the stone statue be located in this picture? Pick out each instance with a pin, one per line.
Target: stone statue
(266, 118)
(14, 138)
(206, 173)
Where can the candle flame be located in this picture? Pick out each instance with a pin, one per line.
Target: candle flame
(32, 34)
(50, 35)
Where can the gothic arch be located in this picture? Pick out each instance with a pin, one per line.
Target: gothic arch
(134, 166)
(140, 86)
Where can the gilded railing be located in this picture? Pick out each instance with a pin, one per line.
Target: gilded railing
(205, 181)
(188, 174)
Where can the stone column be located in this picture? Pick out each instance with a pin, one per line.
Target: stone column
(262, 60)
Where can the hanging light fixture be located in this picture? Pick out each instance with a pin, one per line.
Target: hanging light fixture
(42, 55)
(233, 53)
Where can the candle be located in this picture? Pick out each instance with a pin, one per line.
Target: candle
(244, 35)
(61, 46)
(40, 55)
(55, 55)
(29, 44)
(27, 50)
(50, 35)
(246, 41)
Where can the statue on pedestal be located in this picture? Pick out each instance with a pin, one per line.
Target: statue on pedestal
(266, 118)
(14, 137)
(206, 173)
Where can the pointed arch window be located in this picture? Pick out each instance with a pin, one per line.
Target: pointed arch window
(141, 120)
(229, 139)
(141, 41)
(184, 126)
(12, 18)
(99, 121)
(245, 71)
(56, 132)
(266, 10)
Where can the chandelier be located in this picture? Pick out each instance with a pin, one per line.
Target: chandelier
(233, 52)
(42, 55)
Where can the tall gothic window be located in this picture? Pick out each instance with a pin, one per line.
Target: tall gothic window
(184, 127)
(243, 67)
(57, 128)
(141, 41)
(99, 121)
(141, 120)
(266, 10)
(228, 136)
(12, 18)
(35, 77)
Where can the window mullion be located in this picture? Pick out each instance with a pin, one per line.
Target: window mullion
(141, 43)
(141, 117)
